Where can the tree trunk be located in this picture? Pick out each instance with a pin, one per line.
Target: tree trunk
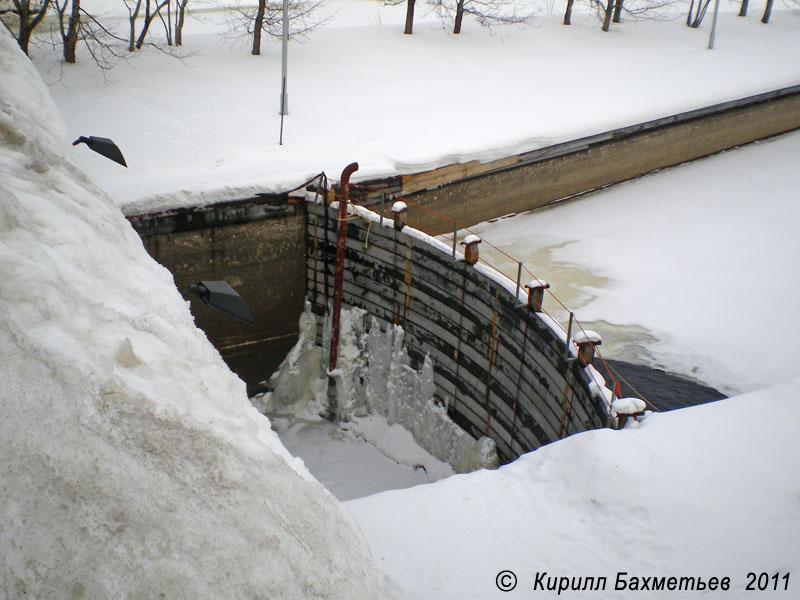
(132, 18)
(409, 17)
(568, 13)
(689, 16)
(617, 11)
(262, 6)
(609, 12)
(767, 12)
(26, 23)
(148, 19)
(179, 19)
(71, 39)
(169, 22)
(459, 16)
(743, 8)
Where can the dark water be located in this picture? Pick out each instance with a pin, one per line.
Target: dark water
(659, 388)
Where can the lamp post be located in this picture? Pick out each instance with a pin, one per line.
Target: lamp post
(284, 64)
(712, 36)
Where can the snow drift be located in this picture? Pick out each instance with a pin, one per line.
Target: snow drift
(707, 491)
(133, 462)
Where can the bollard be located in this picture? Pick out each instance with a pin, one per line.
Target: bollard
(470, 244)
(627, 408)
(399, 209)
(586, 341)
(536, 290)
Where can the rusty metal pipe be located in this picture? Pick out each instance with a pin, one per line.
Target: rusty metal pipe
(338, 277)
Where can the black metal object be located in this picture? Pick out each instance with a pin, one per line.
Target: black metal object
(103, 146)
(220, 295)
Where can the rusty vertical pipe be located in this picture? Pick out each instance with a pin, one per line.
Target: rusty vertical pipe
(339, 273)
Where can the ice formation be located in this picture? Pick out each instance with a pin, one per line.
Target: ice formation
(374, 376)
(133, 463)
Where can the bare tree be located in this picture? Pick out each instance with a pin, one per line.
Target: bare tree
(694, 20)
(568, 12)
(409, 17)
(767, 12)
(267, 18)
(180, 18)
(410, 4)
(743, 8)
(22, 17)
(69, 27)
(608, 12)
(617, 11)
(486, 12)
(152, 9)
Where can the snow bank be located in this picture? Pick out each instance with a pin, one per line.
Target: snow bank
(709, 491)
(133, 463)
(417, 104)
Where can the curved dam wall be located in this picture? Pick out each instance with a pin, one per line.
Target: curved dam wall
(258, 244)
(500, 368)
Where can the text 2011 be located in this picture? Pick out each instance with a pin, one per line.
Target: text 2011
(765, 581)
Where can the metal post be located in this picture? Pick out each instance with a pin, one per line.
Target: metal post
(455, 237)
(284, 59)
(339, 273)
(569, 335)
(713, 34)
(519, 277)
(383, 199)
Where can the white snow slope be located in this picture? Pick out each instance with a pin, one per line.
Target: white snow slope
(206, 129)
(709, 491)
(133, 463)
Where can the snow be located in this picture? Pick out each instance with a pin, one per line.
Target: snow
(206, 128)
(471, 239)
(709, 491)
(360, 457)
(133, 463)
(399, 207)
(690, 269)
(587, 335)
(627, 406)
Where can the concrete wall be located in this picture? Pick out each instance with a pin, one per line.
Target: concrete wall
(475, 192)
(258, 247)
(499, 368)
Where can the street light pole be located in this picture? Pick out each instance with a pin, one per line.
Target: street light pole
(713, 34)
(284, 58)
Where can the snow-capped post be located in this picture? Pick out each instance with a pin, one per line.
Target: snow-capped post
(625, 408)
(536, 290)
(586, 341)
(471, 248)
(341, 232)
(399, 210)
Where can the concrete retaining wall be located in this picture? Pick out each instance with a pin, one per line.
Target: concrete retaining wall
(499, 367)
(257, 246)
(475, 192)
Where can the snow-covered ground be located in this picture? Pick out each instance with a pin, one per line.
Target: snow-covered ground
(133, 463)
(708, 491)
(207, 128)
